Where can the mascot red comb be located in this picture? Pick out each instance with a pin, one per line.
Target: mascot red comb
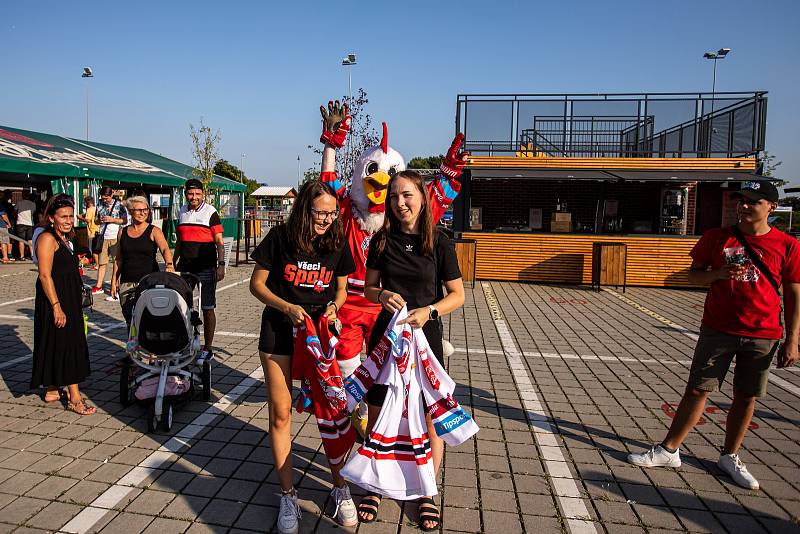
(362, 210)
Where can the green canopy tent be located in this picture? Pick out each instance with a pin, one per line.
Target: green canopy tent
(74, 167)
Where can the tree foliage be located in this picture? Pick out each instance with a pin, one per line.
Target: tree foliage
(363, 134)
(421, 162)
(228, 170)
(205, 151)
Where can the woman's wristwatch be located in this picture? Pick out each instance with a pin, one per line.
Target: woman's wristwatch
(332, 303)
(221, 263)
(434, 313)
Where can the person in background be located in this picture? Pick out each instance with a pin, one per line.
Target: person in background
(24, 226)
(201, 251)
(60, 350)
(89, 217)
(136, 256)
(5, 239)
(111, 214)
(744, 266)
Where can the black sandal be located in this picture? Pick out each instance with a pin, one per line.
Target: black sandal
(426, 504)
(369, 505)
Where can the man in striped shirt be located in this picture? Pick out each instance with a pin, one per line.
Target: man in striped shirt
(200, 251)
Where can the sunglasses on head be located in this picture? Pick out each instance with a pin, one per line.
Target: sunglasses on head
(62, 202)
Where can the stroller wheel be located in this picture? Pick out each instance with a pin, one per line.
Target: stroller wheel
(152, 418)
(166, 416)
(125, 390)
(206, 380)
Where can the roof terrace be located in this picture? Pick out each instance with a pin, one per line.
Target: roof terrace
(621, 125)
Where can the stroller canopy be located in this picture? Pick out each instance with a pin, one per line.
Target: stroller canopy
(167, 280)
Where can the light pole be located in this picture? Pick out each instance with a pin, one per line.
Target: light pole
(298, 172)
(349, 61)
(87, 73)
(241, 169)
(719, 54)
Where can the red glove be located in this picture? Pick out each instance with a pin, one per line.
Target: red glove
(335, 124)
(454, 161)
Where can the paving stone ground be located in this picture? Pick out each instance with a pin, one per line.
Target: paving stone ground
(607, 374)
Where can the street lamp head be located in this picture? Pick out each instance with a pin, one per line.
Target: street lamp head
(722, 52)
(710, 55)
(349, 60)
(87, 72)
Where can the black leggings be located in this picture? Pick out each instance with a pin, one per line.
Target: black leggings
(433, 333)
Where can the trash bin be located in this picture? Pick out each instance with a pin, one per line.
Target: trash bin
(609, 264)
(466, 252)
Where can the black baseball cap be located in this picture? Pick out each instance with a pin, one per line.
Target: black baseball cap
(193, 183)
(757, 190)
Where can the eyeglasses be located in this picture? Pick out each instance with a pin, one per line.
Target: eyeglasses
(324, 215)
(140, 210)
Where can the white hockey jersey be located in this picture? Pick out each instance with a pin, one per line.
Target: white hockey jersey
(395, 459)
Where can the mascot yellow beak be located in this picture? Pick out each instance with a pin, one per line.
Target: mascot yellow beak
(375, 185)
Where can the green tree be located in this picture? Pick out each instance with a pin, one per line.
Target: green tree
(421, 162)
(205, 151)
(228, 170)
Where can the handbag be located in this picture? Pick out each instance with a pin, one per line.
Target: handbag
(87, 298)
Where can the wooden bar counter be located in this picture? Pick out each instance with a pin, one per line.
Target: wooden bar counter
(652, 260)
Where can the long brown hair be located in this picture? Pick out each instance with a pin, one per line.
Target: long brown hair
(300, 224)
(426, 228)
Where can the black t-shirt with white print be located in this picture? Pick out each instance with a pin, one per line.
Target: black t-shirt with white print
(307, 281)
(405, 270)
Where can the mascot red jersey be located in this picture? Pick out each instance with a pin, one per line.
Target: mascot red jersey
(362, 209)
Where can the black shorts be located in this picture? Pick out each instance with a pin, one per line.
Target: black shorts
(23, 231)
(277, 332)
(433, 333)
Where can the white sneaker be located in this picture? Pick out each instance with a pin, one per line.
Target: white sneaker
(289, 515)
(112, 298)
(657, 456)
(345, 511)
(731, 464)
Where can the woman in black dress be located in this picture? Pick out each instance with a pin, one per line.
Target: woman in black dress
(60, 351)
(408, 262)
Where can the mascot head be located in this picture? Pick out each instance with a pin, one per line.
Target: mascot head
(370, 180)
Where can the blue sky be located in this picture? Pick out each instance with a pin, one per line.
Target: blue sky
(257, 71)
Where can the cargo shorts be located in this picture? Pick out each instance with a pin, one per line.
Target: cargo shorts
(714, 354)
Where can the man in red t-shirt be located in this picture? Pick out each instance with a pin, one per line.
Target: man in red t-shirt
(741, 319)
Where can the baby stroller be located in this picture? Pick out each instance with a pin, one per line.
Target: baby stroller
(164, 339)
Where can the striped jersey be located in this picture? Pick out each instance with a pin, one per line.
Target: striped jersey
(196, 231)
(396, 459)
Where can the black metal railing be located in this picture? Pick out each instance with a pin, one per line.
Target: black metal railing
(615, 125)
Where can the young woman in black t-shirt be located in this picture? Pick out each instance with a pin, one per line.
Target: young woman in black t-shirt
(301, 271)
(408, 262)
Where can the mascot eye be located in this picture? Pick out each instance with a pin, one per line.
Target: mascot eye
(372, 168)
(392, 172)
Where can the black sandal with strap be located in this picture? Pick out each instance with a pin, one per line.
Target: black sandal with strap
(427, 515)
(369, 505)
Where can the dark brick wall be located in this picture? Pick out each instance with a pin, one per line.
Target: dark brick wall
(507, 200)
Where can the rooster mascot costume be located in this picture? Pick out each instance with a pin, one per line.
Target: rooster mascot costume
(362, 209)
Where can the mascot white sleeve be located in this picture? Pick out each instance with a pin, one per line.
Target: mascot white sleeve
(362, 209)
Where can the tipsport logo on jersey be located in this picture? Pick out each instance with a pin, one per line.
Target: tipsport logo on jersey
(314, 276)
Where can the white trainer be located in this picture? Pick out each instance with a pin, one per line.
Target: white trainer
(345, 511)
(657, 456)
(289, 515)
(731, 464)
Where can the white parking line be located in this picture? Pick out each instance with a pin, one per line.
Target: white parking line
(567, 493)
(26, 299)
(584, 357)
(236, 334)
(89, 516)
(778, 381)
